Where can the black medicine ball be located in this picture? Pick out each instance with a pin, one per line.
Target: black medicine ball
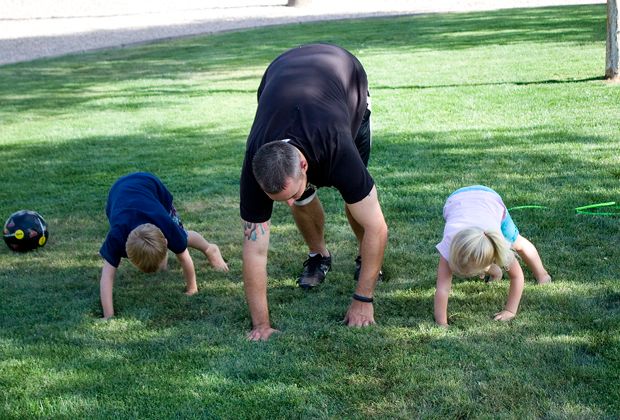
(25, 230)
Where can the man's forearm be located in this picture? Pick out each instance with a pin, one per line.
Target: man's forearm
(255, 248)
(255, 285)
(373, 249)
(256, 296)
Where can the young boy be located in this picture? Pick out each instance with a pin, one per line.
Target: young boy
(143, 226)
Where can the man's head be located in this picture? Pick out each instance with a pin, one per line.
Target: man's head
(147, 248)
(280, 170)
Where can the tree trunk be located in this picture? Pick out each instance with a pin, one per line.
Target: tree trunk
(300, 3)
(612, 71)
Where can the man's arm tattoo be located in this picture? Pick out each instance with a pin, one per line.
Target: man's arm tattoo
(252, 230)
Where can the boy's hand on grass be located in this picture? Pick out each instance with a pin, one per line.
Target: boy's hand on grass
(504, 315)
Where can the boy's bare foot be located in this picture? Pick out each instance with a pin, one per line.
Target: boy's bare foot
(544, 279)
(191, 292)
(214, 256)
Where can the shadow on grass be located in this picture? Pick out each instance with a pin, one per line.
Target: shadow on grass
(516, 83)
(413, 368)
(415, 172)
(75, 173)
(170, 356)
(56, 84)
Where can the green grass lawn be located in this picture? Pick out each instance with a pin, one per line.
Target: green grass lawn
(511, 99)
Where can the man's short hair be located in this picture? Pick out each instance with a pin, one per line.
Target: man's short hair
(146, 247)
(273, 164)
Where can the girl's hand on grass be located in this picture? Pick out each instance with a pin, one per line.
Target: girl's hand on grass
(504, 316)
(261, 333)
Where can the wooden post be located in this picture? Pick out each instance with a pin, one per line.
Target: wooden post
(612, 71)
(299, 3)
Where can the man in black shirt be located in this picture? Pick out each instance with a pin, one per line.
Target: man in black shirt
(311, 129)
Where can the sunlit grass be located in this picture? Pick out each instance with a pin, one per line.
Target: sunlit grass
(511, 99)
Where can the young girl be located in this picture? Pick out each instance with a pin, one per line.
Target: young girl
(480, 237)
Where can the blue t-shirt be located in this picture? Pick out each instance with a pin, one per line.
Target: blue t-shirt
(133, 200)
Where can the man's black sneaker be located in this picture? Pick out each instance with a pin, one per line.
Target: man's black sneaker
(315, 270)
(358, 268)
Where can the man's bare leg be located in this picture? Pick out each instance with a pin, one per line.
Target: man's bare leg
(310, 220)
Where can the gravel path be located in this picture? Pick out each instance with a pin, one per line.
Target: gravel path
(31, 29)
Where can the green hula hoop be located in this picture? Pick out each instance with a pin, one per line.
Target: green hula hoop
(585, 209)
(527, 207)
(588, 209)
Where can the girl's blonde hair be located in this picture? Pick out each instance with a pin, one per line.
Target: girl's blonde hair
(146, 247)
(473, 249)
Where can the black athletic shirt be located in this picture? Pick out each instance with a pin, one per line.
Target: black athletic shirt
(315, 95)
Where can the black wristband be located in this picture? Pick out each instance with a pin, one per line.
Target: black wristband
(361, 298)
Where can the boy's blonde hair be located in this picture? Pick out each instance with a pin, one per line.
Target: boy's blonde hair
(473, 249)
(146, 247)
